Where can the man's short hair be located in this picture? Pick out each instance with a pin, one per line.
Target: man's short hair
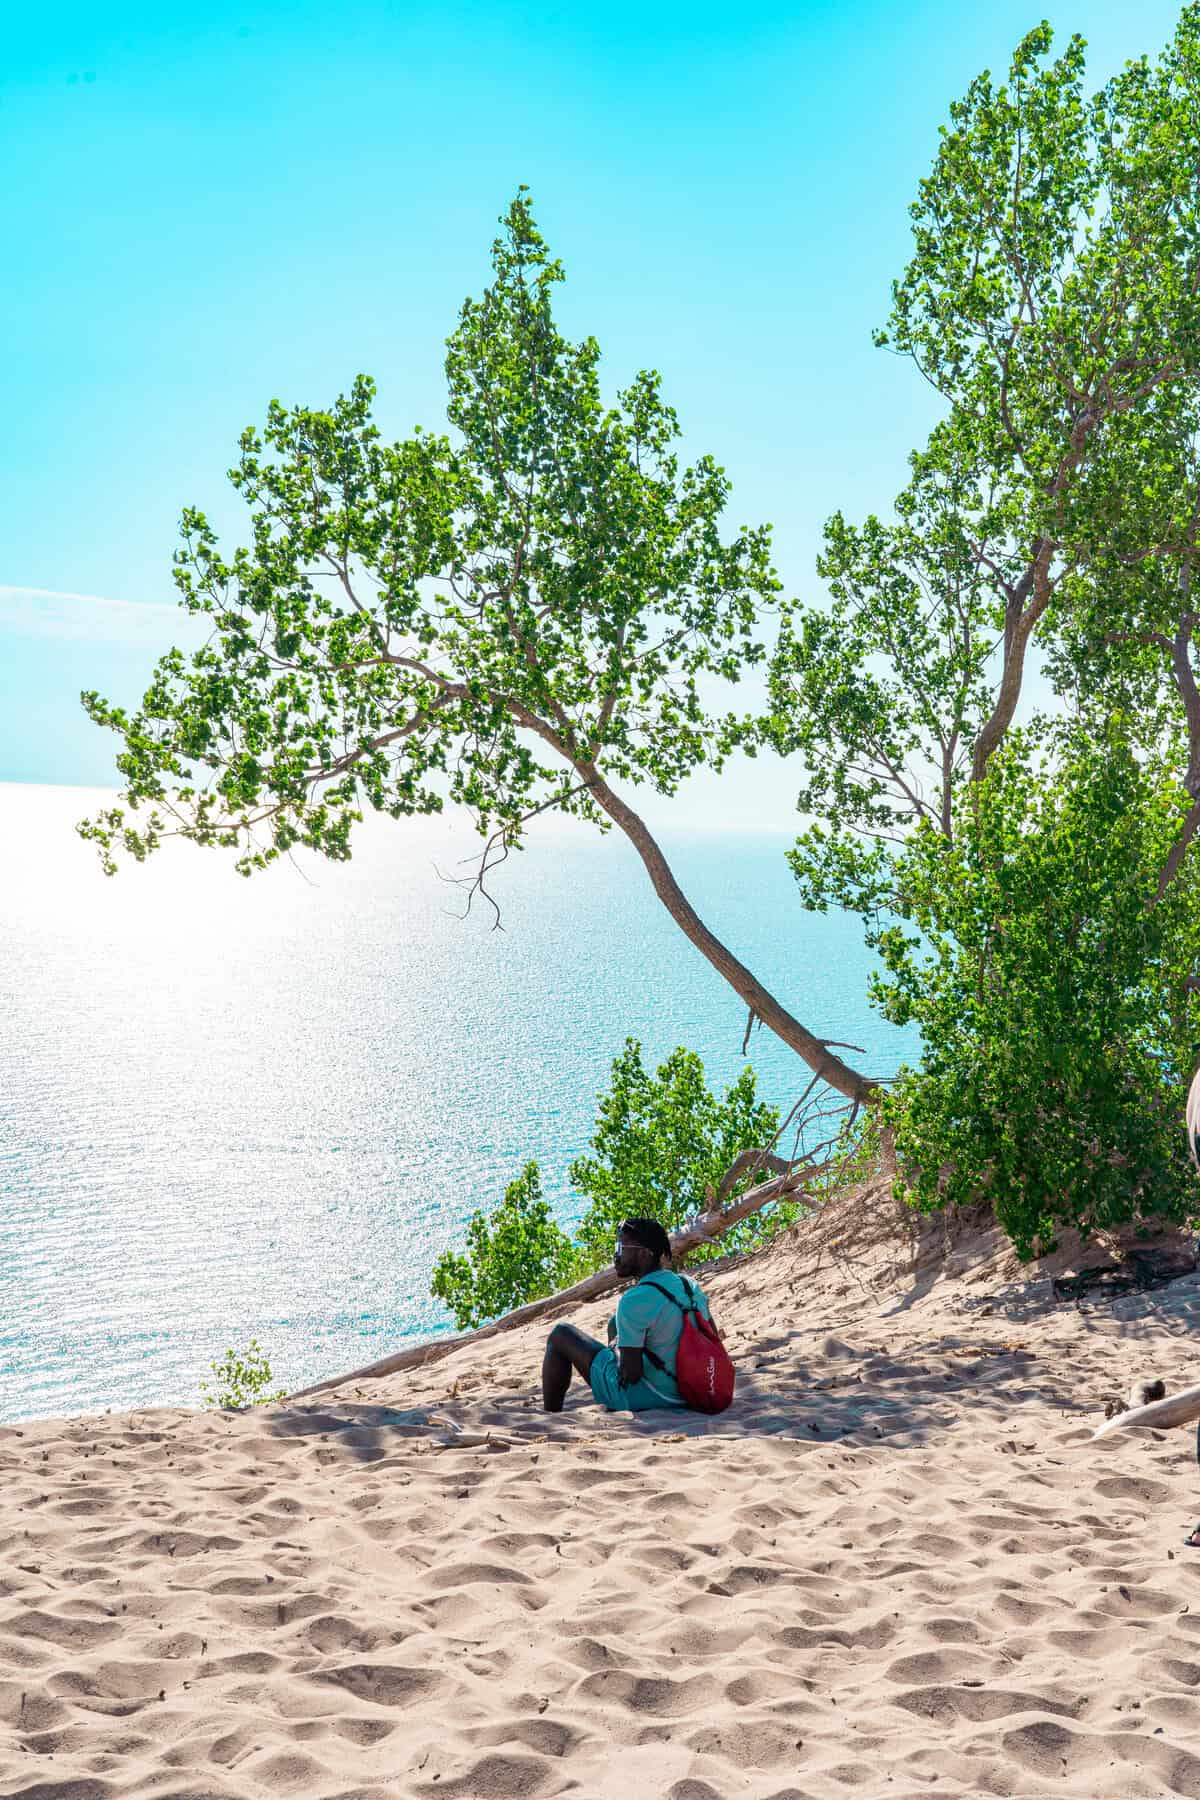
(649, 1234)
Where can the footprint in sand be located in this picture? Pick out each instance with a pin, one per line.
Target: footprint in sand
(287, 1772)
(66, 1634)
(656, 1695)
(946, 1705)
(753, 1744)
(366, 1733)
(384, 1684)
(455, 1575)
(1092, 1646)
(500, 1778)
(548, 1737)
(1134, 1487)
(952, 1665)
(330, 1633)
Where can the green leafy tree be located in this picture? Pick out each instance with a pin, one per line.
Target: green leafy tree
(1052, 998)
(516, 1253)
(517, 618)
(1053, 301)
(1032, 904)
(665, 1146)
(242, 1379)
(522, 618)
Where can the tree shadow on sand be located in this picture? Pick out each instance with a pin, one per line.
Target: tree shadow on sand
(844, 1395)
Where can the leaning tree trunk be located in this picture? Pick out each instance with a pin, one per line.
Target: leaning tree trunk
(814, 1050)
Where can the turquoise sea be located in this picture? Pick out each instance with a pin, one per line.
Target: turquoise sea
(233, 1109)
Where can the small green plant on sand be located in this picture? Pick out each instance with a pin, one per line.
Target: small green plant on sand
(241, 1380)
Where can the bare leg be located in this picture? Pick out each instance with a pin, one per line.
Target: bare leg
(566, 1349)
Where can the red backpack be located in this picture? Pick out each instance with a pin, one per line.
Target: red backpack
(703, 1368)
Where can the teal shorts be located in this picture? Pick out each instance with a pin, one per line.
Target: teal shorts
(639, 1397)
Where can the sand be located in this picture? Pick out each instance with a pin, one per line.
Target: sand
(898, 1566)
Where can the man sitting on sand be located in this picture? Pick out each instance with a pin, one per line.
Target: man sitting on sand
(640, 1374)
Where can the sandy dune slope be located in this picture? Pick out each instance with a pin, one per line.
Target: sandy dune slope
(899, 1566)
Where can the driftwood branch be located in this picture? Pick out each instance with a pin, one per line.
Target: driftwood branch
(704, 1228)
(749, 1162)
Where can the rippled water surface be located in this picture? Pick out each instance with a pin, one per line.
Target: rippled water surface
(233, 1108)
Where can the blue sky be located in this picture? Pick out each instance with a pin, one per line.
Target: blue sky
(210, 208)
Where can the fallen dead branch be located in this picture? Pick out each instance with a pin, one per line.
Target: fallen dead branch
(704, 1228)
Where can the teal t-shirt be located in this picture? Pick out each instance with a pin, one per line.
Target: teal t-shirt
(647, 1320)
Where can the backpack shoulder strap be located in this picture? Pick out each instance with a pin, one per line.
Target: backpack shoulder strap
(667, 1294)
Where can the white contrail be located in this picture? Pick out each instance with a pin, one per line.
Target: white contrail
(36, 593)
(100, 618)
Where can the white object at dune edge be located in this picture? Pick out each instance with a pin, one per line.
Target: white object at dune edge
(1176, 1409)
